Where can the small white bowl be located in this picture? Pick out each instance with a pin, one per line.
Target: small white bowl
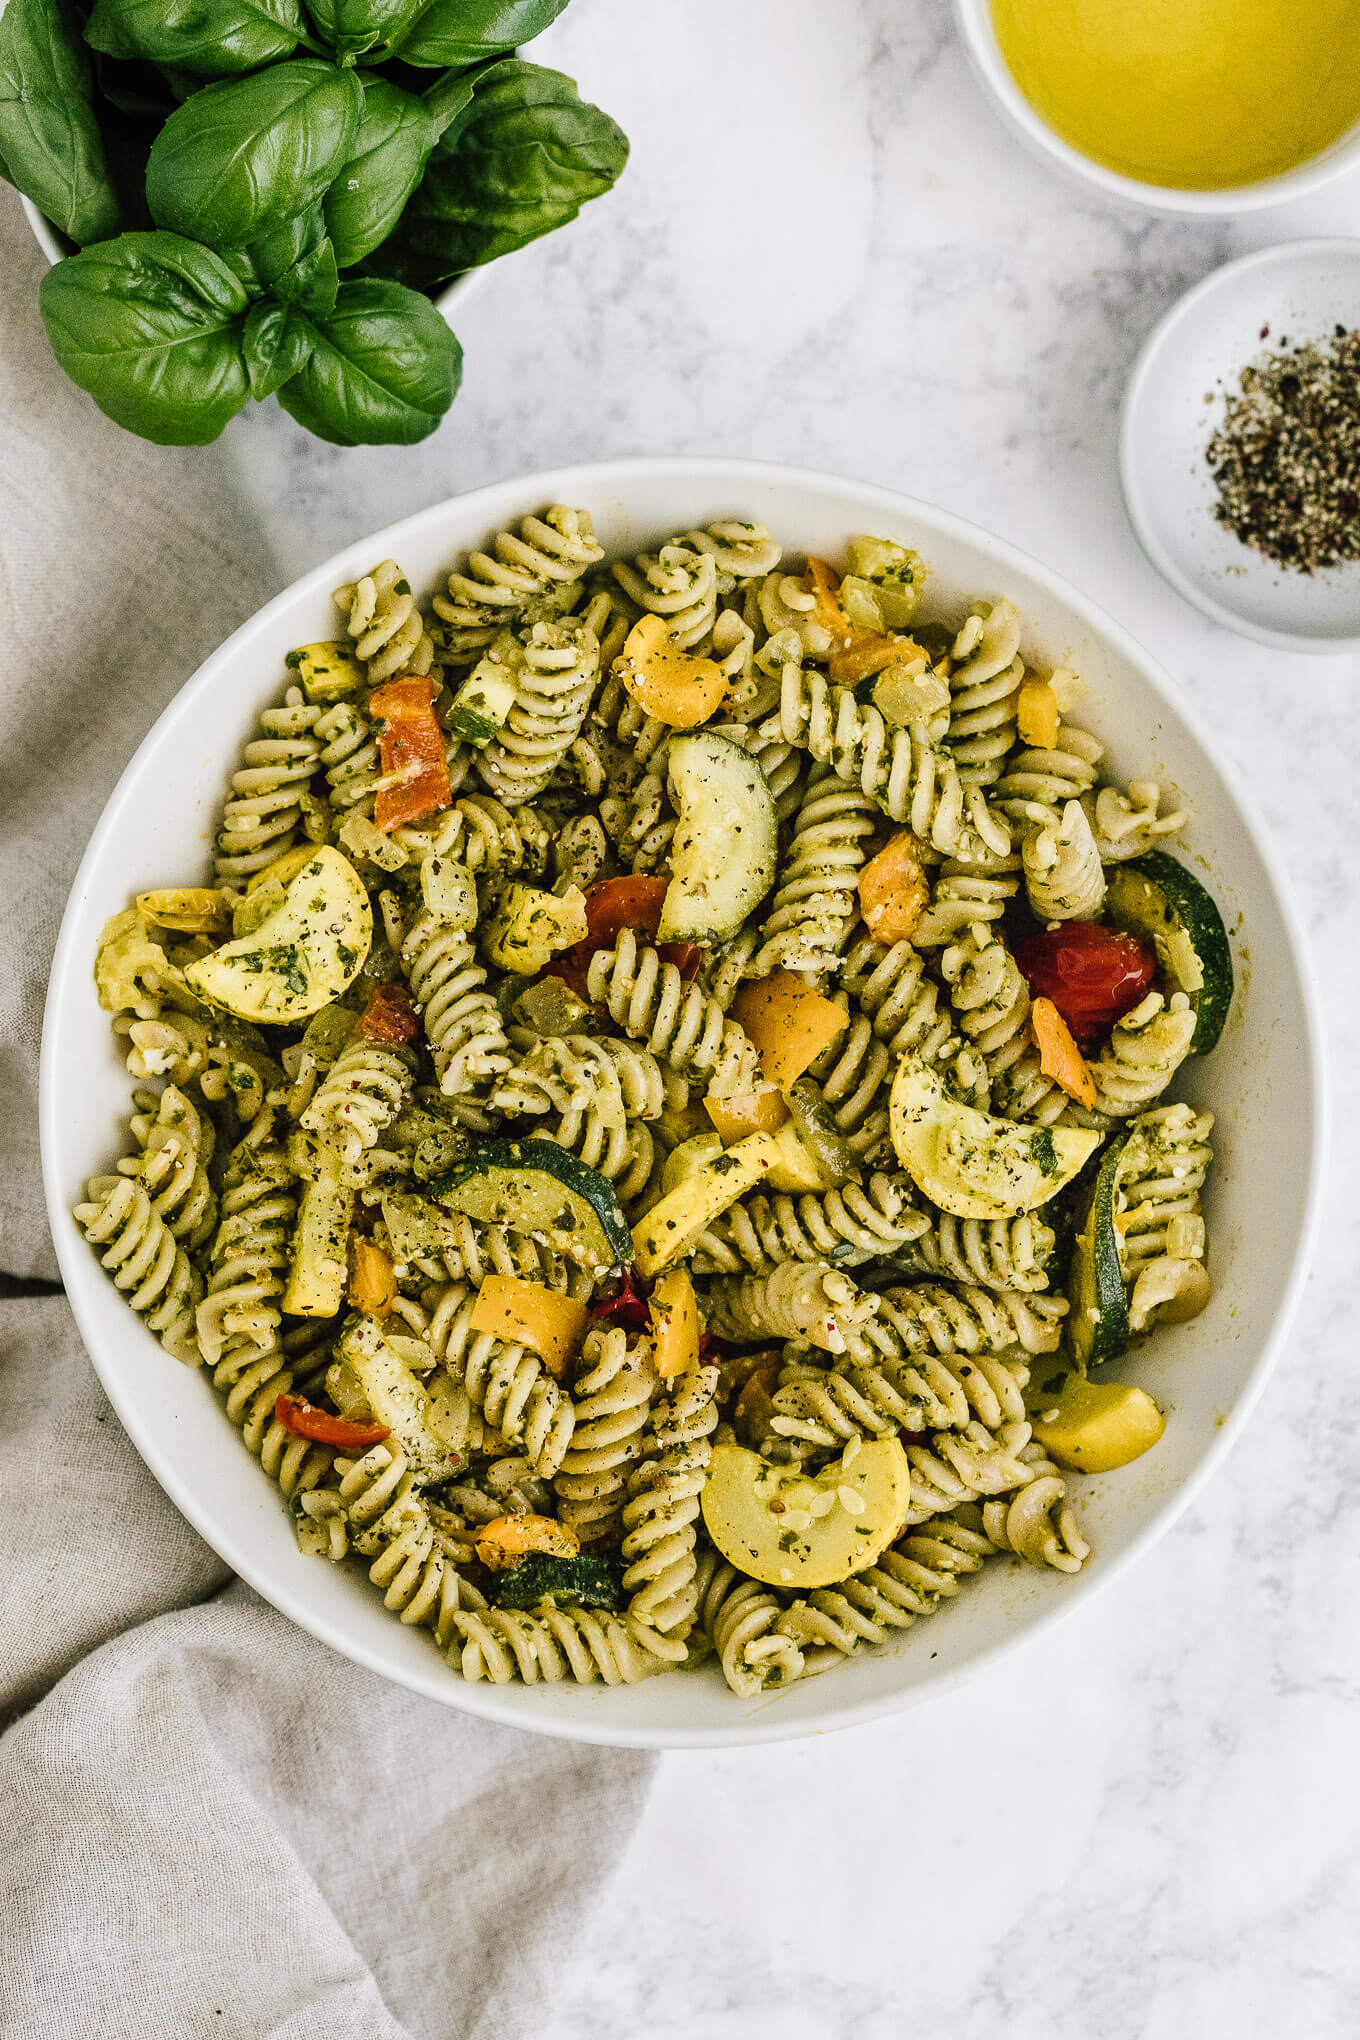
(1263, 1082)
(1300, 292)
(974, 19)
(56, 248)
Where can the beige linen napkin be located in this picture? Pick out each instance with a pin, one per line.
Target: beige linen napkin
(213, 1825)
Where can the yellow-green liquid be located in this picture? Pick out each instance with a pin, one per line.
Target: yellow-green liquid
(1196, 94)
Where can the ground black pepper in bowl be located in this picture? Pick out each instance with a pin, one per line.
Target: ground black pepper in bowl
(1286, 459)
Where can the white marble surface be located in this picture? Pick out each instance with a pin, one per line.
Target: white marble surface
(827, 251)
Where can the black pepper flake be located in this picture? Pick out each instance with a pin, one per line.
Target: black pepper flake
(1286, 459)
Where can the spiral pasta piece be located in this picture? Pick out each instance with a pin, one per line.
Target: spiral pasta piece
(969, 1319)
(249, 1257)
(360, 1095)
(900, 1001)
(509, 1385)
(619, 743)
(909, 778)
(613, 1394)
(176, 1144)
(484, 836)
(559, 1073)
(984, 691)
(1142, 1055)
(796, 1300)
(173, 1045)
(584, 1644)
(546, 556)
(1037, 1522)
(662, 1509)
(991, 1003)
(1063, 874)
(741, 551)
(678, 582)
(145, 1260)
(348, 755)
(826, 1407)
(263, 814)
(1050, 777)
(959, 1466)
(554, 669)
(1129, 821)
(462, 1021)
(916, 1577)
(741, 1620)
(683, 1026)
(641, 824)
(854, 1074)
(388, 631)
(816, 905)
(994, 1253)
(964, 899)
(857, 1223)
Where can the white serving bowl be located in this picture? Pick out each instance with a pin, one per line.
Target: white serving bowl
(1262, 1082)
(974, 20)
(1301, 290)
(56, 247)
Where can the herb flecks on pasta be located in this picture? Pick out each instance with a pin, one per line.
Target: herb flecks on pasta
(663, 1098)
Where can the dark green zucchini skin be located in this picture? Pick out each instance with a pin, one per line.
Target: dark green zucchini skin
(580, 1582)
(1181, 902)
(1098, 1320)
(537, 1186)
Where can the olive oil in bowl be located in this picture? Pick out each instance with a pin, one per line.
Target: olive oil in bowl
(1196, 95)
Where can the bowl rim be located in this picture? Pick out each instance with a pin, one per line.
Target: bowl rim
(973, 19)
(1163, 336)
(54, 246)
(614, 476)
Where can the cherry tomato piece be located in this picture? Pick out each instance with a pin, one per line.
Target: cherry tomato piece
(389, 1016)
(633, 901)
(305, 1420)
(1092, 974)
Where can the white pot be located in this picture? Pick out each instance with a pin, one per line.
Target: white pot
(1263, 1083)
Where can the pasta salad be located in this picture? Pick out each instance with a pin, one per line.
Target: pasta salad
(661, 1120)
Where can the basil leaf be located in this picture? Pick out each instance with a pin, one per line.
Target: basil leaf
(452, 93)
(241, 157)
(313, 281)
(275, 343)
(461, 31)
(519, 162)
(151, 325)
(396, 135)
(383, 369)
(50, 145)
(354, 28)
(213, 38)
(275, 253)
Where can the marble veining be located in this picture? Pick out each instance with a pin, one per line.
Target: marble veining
(826, 250)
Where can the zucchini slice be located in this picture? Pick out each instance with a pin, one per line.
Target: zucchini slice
(1098, 1321)
(479, 709)
(582, 1582)
(725, 843)
(529, 926)
(329, 671)
(535, 1186)
(970, 1164)
(303, 956)
(1157, 897)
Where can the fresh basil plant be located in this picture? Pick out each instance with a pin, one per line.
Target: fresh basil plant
(263, 193)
